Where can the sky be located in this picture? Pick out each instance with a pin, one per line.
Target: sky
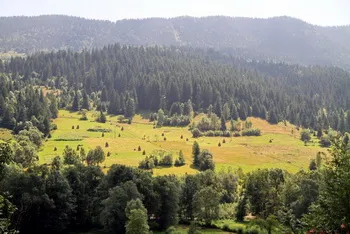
(319, 12)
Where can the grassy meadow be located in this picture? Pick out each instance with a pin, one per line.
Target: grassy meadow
(285, 151)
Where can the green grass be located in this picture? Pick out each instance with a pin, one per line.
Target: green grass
(286, 150)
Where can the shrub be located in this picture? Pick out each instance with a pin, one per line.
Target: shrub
(53, 126)
(106, 145)
(148, 163)
(210, 133)
(166, 160)
(73, 127)
(219, 144)
(196, 133)
(99, 129)
(69, 137)
(103, 134)
(77, 127)
(144, 152)
(305, 135)
(226, 134)
(139, 148)
(325, 141)
(251, 132)
(236, 134)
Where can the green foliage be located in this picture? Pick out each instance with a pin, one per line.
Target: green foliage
(101, 118)
(330, 211)
(262, 189)
(181, 160)
(5, 153)
(136, 215)
(168, 191)
(195, 153)
(196, 133)
(325, 141)
(160, 118)
(6, 212)
(305, 135)
(205, 161)
(95, 156)
(206, 204)
(113, 215)
(70, 156)
(130, 108)
(212, 122)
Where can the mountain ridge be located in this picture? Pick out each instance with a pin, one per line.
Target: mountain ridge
(278, 39)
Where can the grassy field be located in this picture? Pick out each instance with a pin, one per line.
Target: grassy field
(286, 150)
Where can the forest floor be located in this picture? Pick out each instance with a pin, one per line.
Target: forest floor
(286, 150)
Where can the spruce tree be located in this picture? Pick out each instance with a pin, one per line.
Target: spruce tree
(195, 154)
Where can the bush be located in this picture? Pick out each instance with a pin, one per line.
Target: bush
(236, 134)
(99, 129)
(166, 160)
(148, 163)
(305, 135)
(325, 141)
(251, 132)
(226, 134)
(210, 133)
(196, 133)
(69, 137)
(53, 126)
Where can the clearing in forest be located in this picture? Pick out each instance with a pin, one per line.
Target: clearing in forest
(278, 146)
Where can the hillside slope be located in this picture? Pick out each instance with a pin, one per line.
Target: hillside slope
(277, 39)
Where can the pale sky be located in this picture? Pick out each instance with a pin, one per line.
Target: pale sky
(320, 12)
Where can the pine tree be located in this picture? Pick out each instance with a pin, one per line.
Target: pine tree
(85, 105)
(195, 153)
(75, 105)
(223, 123)
(130, 108)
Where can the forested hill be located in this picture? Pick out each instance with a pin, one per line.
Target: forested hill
(118, 79)
(277, 39)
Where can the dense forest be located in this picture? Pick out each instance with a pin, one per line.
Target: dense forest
(121, 79)
(275, 39)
